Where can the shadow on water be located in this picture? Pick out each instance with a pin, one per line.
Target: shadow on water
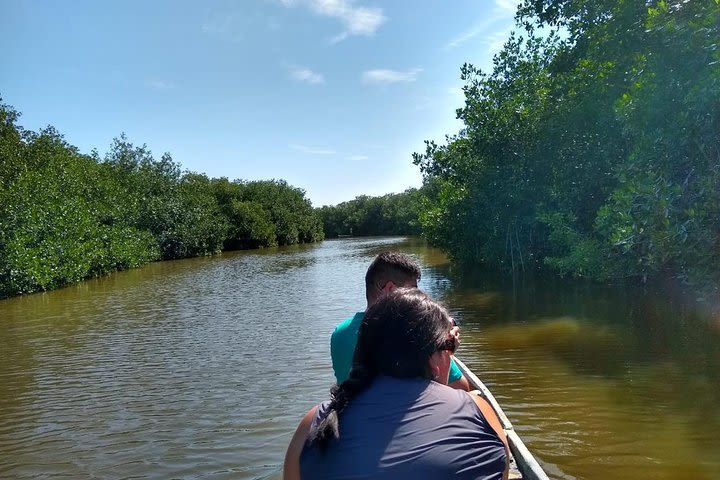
(586, 348)
(622, 382)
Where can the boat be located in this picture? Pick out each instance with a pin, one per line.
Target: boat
(523, 465)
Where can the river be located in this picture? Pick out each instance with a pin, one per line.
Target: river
(201, 368)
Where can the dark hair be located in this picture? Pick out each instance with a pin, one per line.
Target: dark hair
(389, 266)
(397, 336)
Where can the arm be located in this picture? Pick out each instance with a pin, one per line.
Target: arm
(291, 466)
(456, 379)
(494, 422)
(335, 355)
(460, 384)
(342, 346)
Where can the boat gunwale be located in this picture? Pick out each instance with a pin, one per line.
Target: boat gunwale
(526, 462)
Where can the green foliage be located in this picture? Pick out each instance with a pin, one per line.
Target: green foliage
(594, 152)
(266, 213)
(54, 231)
(494, 173)
(11, 147)
(65, 217)
(442, 208)
(252, 226)
(179, 210)
(578, 254)
(294, 218)
(198, 227)
(392, 214)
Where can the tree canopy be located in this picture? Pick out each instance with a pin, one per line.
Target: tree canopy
(66, 216)
(592, 148)
(391, 214)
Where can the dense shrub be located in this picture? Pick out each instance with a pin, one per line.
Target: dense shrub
(65, 217)
(591, 148)
(392, 214)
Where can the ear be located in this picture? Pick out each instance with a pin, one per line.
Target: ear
(439, 365)
(434, 366)
(389, 286)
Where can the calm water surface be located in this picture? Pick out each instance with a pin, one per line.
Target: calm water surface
(202, 368)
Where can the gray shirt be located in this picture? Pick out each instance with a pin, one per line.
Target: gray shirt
(408, 429)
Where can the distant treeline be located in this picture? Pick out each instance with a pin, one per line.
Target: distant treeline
(593, 151)
(393, 214)
(65, 216)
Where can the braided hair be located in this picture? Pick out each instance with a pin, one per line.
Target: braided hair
(397, 336)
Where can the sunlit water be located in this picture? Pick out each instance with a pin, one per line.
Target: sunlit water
(202, 368)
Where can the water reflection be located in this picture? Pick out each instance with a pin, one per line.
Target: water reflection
(585, 347)
(202, 368)
(601, 382)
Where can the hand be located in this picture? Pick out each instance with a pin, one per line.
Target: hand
(455, 332)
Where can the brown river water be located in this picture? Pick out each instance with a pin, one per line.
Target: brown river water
(202, 368)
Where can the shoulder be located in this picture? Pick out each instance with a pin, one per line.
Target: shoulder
(455, 372)
(467, 405)
(450, 397)
(349, 324)
(470, 405)
(458, 400)
(488, 413)
(291, 465)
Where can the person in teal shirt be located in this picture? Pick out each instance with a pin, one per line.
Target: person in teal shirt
(387, 271)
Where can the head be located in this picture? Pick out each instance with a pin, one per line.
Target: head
(405, 334)
(388, 271)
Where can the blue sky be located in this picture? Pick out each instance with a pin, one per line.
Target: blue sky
(331, 95)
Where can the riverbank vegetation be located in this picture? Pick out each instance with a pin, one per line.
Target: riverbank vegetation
(592, 148)
(392, 214)
(66, 216)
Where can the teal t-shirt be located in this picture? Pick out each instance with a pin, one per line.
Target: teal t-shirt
(342, 347)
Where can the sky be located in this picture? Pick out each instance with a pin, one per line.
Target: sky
(332, 96)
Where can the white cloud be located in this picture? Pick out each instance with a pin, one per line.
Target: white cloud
(496, 41)
(358, 157)
(509, 6)
(234, 26)
(215, 26)
(383, 76)
(339, 37)
(504, 11)
(303, 74)
(357, 20)
(474, 31)
(229, 26)
(466, 35)
(310, 150)
(160, 85)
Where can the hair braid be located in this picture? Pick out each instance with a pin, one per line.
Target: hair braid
(397, 336)
(328, 429)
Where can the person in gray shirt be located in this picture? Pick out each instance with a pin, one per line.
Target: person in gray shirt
(395, 417)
